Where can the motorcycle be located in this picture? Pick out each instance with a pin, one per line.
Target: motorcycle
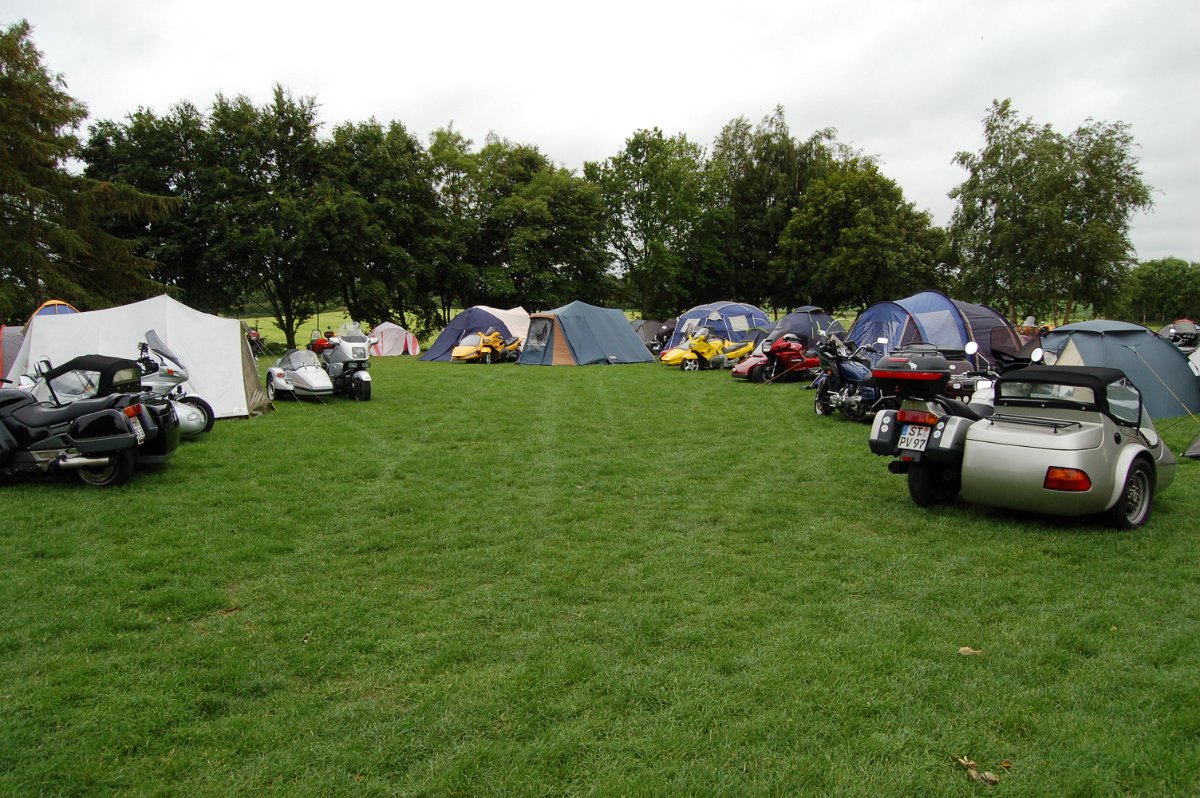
(93, 423)
(163, 378)
(489, 346)
(346, 358)
(701, 351)
(845, 382)
(786, 358)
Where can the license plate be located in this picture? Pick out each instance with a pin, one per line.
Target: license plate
(136, 424)
(914, 437)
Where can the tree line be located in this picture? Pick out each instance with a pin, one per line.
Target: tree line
(245, 203)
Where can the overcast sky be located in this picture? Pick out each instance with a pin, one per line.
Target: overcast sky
(908, 81)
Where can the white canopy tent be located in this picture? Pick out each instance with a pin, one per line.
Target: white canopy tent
(394, 340)
(213, 349)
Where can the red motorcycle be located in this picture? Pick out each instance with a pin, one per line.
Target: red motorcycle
(785, 359)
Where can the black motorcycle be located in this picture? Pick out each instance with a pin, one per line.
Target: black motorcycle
(845, 383)
(90, 420)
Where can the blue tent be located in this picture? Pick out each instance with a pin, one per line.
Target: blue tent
(732, 321)
(1155, 365)
(580, 334)
(931, 317)
(512, 323)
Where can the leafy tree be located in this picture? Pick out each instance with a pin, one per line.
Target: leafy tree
(454, 179)
(758, 176)
(1043, 219)
(378, 213)
(1159, 291)
(51, 221)
(267, 205)
(653, 192)
(854, 240)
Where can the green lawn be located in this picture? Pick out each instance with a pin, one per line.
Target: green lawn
(598, 581)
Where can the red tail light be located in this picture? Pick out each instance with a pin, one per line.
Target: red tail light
(1068, 479)
(917, 417)
(133, 411)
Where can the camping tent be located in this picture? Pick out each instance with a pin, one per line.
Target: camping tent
(806, 323)
(1158, 369)
(646, 329)
(394, 340)
(580, 334)
(513, 323)
(933, 318)
(10, 343)
(732, 321)
(214, 350)
(53, 307)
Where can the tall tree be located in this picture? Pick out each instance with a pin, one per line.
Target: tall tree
(1162, 290)
(854, 240)
(653, 192)
(1042, 222)
(52, 229)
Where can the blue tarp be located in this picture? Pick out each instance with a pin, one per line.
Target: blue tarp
(732, 321)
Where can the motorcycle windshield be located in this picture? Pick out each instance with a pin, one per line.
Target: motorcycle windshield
(157, 345)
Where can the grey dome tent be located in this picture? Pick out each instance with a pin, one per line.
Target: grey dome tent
(1160, 371)
(580, 334)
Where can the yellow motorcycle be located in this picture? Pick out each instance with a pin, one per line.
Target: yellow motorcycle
(489, 346)
(701, 351)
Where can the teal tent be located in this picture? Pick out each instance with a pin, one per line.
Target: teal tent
(580, 334)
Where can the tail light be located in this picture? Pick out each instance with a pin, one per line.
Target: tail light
(917, 417)
(1068, 479)
(133, 411)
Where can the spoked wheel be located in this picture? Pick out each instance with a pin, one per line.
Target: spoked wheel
(822, 407)
(930, 483)
(205, 408)
(691, 364)
(117, 472)
(1137, 498)
(362, 390)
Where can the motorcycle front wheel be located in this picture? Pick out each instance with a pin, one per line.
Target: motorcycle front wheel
(362, 390)
(822, 406)
(117, 472)
(204, 407)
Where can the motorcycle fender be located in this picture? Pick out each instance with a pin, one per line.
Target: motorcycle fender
(364, 376)
(885, 433)
(946, 441)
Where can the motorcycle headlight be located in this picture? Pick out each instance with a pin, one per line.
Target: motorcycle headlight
(359, 352)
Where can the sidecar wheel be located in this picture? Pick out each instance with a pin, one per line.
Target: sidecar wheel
(487, 357)
(690, 364)
(930, 484)
(204, 407)
(758, 373)
(1136, 501)
(117, 472)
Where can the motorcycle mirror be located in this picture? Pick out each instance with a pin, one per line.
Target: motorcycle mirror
(971, 347)
(374, 339)
(1037, 355)
(41, 367)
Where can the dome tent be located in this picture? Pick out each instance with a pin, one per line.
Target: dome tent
(393, 340)
(580, 334)
(931, 317)
(1159, 370)
(806, 323)
(732, 321)
(513, 323)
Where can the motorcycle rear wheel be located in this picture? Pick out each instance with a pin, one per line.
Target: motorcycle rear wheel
(117, 472)
(930, 484)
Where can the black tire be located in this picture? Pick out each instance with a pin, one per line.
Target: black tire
(205, 408)
(487, 357)
(930, 484)
(821, 406)
(117, 472)
(362, 391)
(1137, 498)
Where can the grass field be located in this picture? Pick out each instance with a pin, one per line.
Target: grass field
(598, 581)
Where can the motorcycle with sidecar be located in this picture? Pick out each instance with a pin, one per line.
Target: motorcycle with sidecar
(703, 351)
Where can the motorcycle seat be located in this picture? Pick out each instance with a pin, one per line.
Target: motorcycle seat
(37, 415)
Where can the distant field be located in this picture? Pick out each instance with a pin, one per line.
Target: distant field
(622, 580)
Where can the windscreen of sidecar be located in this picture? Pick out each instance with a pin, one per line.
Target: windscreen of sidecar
(298, 359)
(474, 339)
(1045, 394)
(73, 385)
(1124, 402)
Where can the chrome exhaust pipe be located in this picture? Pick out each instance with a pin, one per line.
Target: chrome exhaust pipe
(79, 461)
